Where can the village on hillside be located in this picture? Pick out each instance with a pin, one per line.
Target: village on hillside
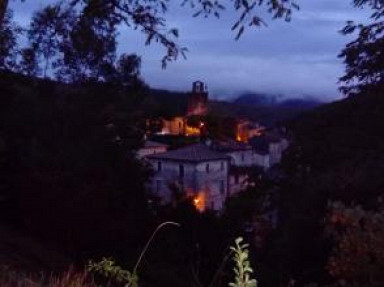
(207, 169)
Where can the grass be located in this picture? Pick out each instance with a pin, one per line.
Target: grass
(69, 278)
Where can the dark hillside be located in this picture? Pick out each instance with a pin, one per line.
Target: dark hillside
(346, 131)
(337, 155)
(68, 173)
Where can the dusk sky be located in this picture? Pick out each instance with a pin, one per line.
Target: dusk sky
(295, 59)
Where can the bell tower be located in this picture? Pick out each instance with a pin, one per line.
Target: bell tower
(198, 100)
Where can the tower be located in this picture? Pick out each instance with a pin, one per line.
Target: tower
(198, 100)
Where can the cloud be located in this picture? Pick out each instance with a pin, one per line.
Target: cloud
(296, 58)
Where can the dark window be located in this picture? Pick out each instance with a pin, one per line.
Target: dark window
(242, 157)
(181, 170)
(222, 165)
(158, 186)
(159, 166)
(236, 179)
(207, 168)
(222, 186)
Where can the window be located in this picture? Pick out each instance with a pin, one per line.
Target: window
(207, 168)
(181, 170)
(222, 165)
(236, 179)
(242, 157)
(222, 186)
(158, 186)
(159, 166)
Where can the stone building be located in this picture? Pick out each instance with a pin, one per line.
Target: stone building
(200, 172)
(175, 126)
(269, 149)
(180, 125)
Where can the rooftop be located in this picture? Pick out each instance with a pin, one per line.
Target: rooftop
(193, 153)
(153, 144)
(231, 145)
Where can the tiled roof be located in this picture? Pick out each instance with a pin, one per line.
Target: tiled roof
(231, 145)
(193, 153)
(151, 144)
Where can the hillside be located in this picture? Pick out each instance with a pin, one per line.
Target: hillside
(23, 252)
(346, 139)
(337, 155)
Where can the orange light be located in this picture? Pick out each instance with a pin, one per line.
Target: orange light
(199, 201)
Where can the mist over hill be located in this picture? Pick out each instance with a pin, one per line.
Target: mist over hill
(259, 99)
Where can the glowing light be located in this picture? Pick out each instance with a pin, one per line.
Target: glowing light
(199, 201)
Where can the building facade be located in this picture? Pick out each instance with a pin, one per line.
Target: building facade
(199, 172)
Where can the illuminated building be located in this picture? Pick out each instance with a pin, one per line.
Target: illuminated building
(201, 172)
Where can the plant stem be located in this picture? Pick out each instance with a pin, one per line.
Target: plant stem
(150, 240)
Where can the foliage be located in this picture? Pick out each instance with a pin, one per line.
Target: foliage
(108, 269)
(148, 16)
(243, 268)
(358, 257)
(337, 155)
(79, 167)
(89, 48)
(8, 42)
(47, 32)
(29, 65)
(364, 57)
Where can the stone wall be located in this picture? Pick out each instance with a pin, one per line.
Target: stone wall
(209, 179)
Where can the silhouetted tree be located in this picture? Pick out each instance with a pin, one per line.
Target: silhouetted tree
(148, 16)
(89, 48)
(364, 57)
(48, 30)
(8, 42)
(29, 63)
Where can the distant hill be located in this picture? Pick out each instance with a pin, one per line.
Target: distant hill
(256, 99)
